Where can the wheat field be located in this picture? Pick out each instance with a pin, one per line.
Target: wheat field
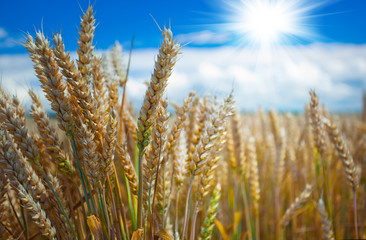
(100, 170)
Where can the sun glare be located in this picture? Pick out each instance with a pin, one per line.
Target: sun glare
(270, 22)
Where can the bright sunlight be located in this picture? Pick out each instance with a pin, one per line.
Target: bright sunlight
(270, 22)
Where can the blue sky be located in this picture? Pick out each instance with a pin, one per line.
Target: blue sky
(332, 60)
(341, 21)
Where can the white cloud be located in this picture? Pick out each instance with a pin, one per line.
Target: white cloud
(7, 41)
(204, 37)
(3, 33)
(336, 71)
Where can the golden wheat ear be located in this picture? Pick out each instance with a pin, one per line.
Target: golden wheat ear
(326, 225)
(318, 126)
(128, 167)
(343, 153)
(38, 215)
(164, 64)
(49, 137)
(299, 202)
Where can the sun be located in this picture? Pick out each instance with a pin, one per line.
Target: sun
(270, 22)
(267, 22)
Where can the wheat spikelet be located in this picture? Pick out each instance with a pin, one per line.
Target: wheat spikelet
(89, 155)
(181, 116)
(217, 137)
(19, 110)
(194, 128)
(78, 87)
(326, 225)
(162, 194)
(205, 110)
(19, 169)
(203, 161)
(17, 128)
(166, 59)
(190, 126)
(343, 153)
(49, 137)
(280, 156)
(48, 73)
(253, 168)
(109, 144)
(21, 139)
(117, 63)
(37, 213)
(113, 96)
(208, 223)
(275, 127)
(21, 172)
(318, 127)
(154, 158)
(230, 148)
(158, 143)
(128, 168)
(85, 41)
(130, 125)
(299, 202)
(100, 96)
(108, 67)
(178, 166)
(235, 131)
(212, 137)
(67, 66)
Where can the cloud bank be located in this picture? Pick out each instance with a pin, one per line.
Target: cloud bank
(7, 41)
(281, 81)
(204, 38)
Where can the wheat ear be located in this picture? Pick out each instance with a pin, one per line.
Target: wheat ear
(155, 154)
(49, 137)
(109, 144)
(318, 127)
(48, 73)
(159, 140)
(343, 153)
(181, 116)
(208, 223)
(205, 158)
(128, 168)
(253, 168)
(237, 141)
(299, 202)
(37, 213)
(85, 41)
(166, 59)
(20, 170)
(17, 128)
(118, 64)
(325, 222)
(352, 173)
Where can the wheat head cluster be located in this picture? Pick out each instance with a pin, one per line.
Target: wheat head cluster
(100, 170)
